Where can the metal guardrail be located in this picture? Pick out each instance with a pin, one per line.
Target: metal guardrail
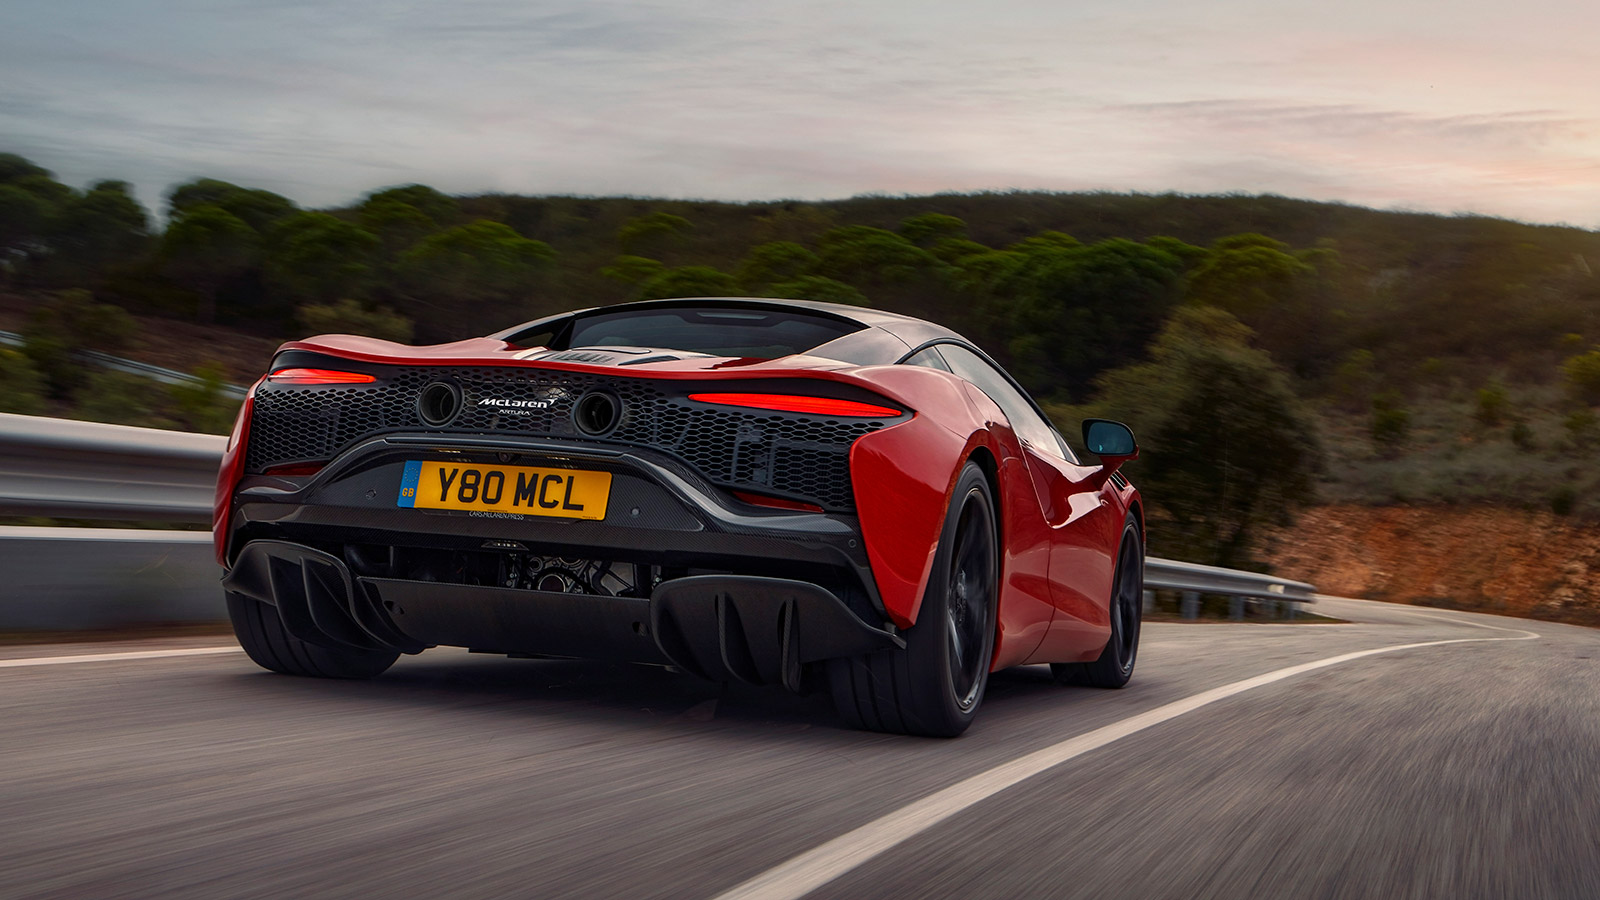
(132, 367)
(62, 468)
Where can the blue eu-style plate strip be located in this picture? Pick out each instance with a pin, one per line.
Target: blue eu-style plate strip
(408, 484)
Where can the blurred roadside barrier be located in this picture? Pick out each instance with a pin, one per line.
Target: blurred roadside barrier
(91, 578)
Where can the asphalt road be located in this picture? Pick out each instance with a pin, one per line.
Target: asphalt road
(1453, 770)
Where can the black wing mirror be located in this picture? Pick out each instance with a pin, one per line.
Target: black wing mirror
(1111, 441)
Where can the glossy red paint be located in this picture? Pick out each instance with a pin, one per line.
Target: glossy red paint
(228, 476)
(1059, 521)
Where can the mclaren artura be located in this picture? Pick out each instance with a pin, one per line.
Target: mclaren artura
(769, 491)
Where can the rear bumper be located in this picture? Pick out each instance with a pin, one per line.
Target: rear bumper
(722, 627)
(338, 556)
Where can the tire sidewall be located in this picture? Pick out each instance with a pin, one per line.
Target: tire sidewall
(926, 641)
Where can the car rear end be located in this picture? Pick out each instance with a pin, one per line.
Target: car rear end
(557, 505)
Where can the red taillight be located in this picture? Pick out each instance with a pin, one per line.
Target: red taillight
(318, 376)
(776, 502)
(825, 406)
(295, 469)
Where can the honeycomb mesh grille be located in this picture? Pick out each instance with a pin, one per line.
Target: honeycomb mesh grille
(791, 454)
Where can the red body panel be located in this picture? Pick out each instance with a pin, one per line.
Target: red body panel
(1058, 535)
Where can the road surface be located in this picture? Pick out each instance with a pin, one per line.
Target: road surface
(1467, 766)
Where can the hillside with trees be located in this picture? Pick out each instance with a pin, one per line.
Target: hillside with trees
(1270, 352)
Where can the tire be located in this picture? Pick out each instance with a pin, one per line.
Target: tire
(1115, 666)
(261, 633)
(935, 685)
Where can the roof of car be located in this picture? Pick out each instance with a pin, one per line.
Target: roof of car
(911, 331)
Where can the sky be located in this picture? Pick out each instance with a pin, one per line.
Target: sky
(1446, 107)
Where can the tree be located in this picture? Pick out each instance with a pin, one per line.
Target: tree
(1226, 448)
(930, 228)
(463, 279)
(775, 261)
(104, 227)
(439, 208)
(313, 257)
(205, 249)
(69, 321)
(1064, 312)
(861, 254)
(689, 281)
(1247, 274)
(633, 270)
(819, 289)
(253, 206)
(657, 231)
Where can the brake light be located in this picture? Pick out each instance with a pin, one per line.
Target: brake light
(776, 502)
(318, 376)
(295, 469)
(826, 406)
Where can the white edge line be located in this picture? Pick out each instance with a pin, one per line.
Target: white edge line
(814, 868)
(113, 657)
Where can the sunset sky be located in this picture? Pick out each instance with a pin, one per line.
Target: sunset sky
(1440, 106)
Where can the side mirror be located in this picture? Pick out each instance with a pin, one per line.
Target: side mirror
(1111, 441)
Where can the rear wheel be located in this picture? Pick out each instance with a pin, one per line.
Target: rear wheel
(1115, 666)
(261, 633)
(935, 685)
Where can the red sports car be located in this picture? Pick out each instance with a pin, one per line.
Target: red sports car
(771, 491)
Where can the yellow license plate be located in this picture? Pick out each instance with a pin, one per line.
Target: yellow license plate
(568, 493)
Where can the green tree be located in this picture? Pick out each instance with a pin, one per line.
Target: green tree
(1226, 448)
(205, 249)
(255, 207)
(775, 261)
(313, 257)
(465, 279)
(1063, 313)
(929, 228)
(1247, 274)
(440, 209)
(689, 281)
(655, 231)
(819, 289)
(633, 270)
(861, 254)
(103, 227)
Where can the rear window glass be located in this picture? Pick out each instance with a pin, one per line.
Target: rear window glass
(761, 333)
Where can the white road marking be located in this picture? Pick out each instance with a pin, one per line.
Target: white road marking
(809, 871)
(114, 657)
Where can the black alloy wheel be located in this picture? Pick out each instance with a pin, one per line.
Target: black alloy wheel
(935, 685)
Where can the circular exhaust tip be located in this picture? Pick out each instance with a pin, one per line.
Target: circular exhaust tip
(597, 413)
(439, 403)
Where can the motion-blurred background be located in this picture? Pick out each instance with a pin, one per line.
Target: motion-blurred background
(1388, 388)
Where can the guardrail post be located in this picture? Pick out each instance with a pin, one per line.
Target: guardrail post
(1294, 609)
(1191, 604)
(1236, 608)
(1149, 602)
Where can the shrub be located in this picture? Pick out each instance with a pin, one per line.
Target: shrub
(1522, 437)
(202, 406)
(1582, 373)
(21, 385)
(117, 398)
(1391, 422)
(1581, 425)
(1562, 500)
(1492, 402)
